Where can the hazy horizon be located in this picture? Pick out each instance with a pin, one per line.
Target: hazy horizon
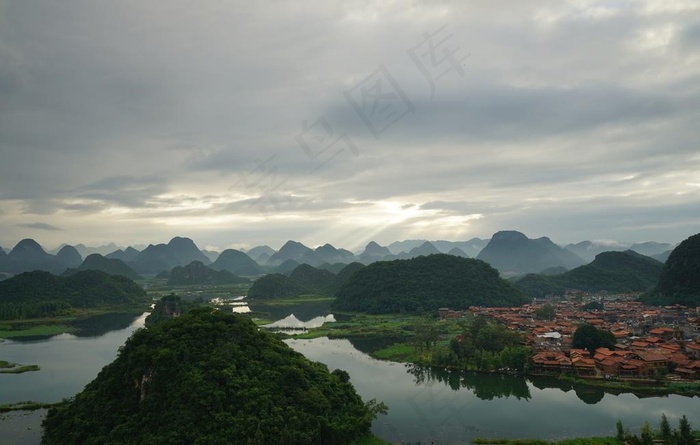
(277, 246)
(240, 124)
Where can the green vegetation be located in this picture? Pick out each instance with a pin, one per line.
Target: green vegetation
(41, 294)
(27, 330)
(197, 273)
(484, 345)
(546, 312)
(211, 378)
(591, 338)
(25, 406)
(470, 343)
(312, 280)
(13, 368)
(303, 280)
(683, 435)
(168, 307)
(610, 271)
(593, 306)
(680, 279)
(425, 283)
(292, 301)
(78, 321)
(273, 286)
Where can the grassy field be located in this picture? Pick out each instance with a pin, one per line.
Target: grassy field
(20, 369)
(14, 368)
(291, 301)
(25, 406)
(32, 330)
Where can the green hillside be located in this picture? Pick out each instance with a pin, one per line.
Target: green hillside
(610, 271)
(211, 378)
(197, 273)
(425, 283)
(680, 278)
(37, 294)
(274, 285)
(303, 280)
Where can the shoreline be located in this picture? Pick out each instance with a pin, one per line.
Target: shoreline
(398, 327)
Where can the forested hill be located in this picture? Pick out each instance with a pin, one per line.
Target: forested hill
(197, 273)
(36, 294)
(303, 280)
(625, 271)
(680, 278)
(426, 283)
(211, 378)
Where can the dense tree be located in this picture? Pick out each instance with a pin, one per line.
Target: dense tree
(274, 286)
(211, 378)
(647, 434)
(425, 283)
(302, 280)
(546, 312)
(169, 306)
(37, 294)
(679, 281)
(593, 306)
(485, 346)
(620, 431)
(664, 428)
(591, 338)
(197, 273)
(685, 433)
(611, 271)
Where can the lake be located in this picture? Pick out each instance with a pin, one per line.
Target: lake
(424, 405)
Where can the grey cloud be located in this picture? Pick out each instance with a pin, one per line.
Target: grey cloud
(690, 36)
(128, 191)
(133, 104)
(504, 112)
(40, 226)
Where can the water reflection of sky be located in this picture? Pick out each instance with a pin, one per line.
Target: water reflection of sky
(67, 363)
(292, 322)
(434, 412)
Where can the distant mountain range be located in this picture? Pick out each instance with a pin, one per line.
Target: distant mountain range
(508, 251)
(512, 252)
(237, 262)
(588, 250)
(159, 257)
(28, 255)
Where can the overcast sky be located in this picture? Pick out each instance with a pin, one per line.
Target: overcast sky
(239, 123)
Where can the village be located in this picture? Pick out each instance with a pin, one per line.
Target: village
(652, 343)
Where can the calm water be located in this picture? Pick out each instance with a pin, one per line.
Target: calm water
(452, 407)
(427, 406)
(67, 362)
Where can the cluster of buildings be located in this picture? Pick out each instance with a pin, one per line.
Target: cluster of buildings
(651, 342)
